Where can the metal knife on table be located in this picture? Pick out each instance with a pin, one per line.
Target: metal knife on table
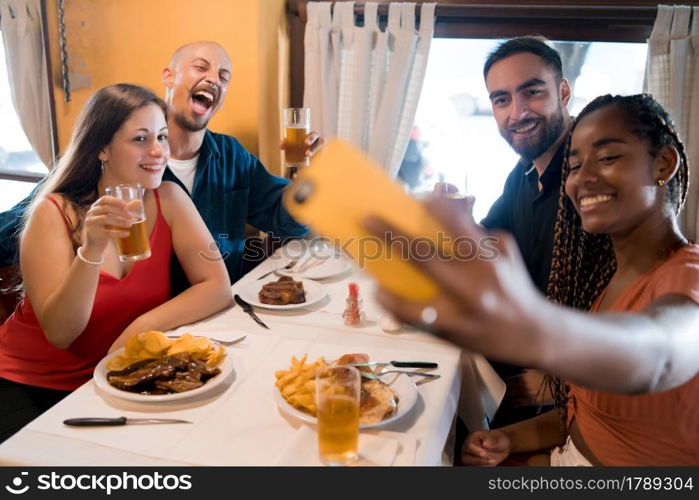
(399, 364)
(96, 421)
(248, 309)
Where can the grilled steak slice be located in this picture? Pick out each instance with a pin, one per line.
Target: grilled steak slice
(282, 292)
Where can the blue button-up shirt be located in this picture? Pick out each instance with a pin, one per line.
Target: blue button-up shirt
(10, 222)
(231, 188)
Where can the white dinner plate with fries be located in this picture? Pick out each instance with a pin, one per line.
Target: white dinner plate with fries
(315, 292)
(404, 388)
(100, 377)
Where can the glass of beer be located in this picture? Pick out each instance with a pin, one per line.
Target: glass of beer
(450, 192)
(135, 246)
(337, 402)
(297, 125)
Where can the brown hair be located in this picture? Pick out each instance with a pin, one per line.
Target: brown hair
(78, 172)
(537, 45)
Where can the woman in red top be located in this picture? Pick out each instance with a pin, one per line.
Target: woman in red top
(80, 299)
(634, 365)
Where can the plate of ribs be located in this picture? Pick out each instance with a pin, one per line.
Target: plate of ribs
(168, 378)
(284, 293)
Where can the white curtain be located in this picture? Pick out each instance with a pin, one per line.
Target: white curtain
(20, 23)
(363, 84)
(672, 77)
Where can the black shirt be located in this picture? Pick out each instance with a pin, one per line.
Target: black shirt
(530, 214)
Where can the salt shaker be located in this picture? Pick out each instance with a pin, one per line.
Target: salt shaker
(353, 315)
(389, 324)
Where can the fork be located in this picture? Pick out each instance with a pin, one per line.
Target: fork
(287, 267)
(225, 343)
(377, 376)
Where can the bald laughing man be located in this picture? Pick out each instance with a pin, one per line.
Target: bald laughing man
(229, 186)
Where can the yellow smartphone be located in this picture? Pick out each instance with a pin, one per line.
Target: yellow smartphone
(338, 190)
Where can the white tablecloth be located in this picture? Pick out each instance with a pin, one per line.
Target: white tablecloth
(240, 423)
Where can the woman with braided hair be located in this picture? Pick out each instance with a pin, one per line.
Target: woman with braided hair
(632, 365)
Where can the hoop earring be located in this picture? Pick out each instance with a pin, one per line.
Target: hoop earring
(661, 182)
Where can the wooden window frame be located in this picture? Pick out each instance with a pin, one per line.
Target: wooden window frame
(590, 20)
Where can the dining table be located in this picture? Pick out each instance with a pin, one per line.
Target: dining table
(241, 422)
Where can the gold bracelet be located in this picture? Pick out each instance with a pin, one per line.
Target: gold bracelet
(91, 262)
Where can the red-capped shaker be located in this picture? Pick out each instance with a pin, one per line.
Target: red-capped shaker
(353, 315)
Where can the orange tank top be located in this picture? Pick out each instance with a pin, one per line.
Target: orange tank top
(660, 428)
(27, 357)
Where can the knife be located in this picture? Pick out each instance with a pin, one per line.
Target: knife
(93, 422)
(301, 264)
(311, 263)
(248, 309)
(399, 364)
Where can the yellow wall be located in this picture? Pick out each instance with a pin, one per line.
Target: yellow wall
(111, 41)
(274, 80)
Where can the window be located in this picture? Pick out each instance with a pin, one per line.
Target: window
(455, 137)
(17, 159)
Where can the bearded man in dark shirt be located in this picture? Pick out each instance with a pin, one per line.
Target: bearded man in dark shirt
(529, 95)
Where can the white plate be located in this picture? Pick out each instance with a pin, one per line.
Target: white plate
(100, 377)
(331, 266)
(314, 293)
(402, 386)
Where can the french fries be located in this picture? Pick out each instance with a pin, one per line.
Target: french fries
(298, 386)
(154, 344)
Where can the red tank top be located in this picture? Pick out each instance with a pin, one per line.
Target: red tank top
(26, 356)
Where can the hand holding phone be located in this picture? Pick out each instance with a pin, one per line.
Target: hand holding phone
(343, 186)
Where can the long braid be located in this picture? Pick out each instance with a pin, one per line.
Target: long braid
(583, 263)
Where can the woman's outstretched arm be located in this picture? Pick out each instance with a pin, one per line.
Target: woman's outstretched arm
(490, 305)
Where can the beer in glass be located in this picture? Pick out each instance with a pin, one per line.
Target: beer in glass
(135, 246)
(337, 403)
(297, 125)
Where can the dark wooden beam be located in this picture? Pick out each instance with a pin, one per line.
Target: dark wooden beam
(49, 83)
(562, 22)
(582, 20)
(20, 175)
(296, 17)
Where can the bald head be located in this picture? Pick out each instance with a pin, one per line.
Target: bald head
(192, 47)
(196, 81)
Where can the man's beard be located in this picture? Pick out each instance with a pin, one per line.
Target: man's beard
(533, 147)
(189, 125)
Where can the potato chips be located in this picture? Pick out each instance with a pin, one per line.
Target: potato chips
(154, 344)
